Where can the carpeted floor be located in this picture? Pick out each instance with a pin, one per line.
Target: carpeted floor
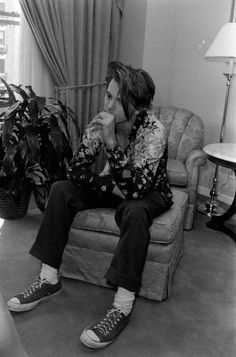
(199, 319)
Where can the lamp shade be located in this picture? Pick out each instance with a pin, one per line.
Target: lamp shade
(223, 47)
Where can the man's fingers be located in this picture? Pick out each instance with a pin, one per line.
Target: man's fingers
(102, 119)
(95, 121)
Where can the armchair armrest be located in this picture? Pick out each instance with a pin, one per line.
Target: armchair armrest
(194, 160)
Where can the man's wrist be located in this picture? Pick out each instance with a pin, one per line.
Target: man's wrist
(111, 144)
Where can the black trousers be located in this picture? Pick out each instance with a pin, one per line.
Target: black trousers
(133, 217)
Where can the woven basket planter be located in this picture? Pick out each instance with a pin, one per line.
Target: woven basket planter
(12, 209)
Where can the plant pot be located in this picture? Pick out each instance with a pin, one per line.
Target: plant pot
(10, 208)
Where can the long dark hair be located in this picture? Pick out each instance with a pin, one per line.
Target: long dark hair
(136, 87)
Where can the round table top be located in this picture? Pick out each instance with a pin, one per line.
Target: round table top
(223, 151)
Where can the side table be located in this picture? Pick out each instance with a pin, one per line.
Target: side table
(223, 154)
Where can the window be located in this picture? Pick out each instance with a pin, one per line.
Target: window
(9, 42)
(2, 65)
(2, 6)
(2, 37)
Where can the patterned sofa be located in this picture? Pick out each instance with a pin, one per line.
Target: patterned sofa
(94, 233)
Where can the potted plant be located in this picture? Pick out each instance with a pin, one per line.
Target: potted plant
(35, 148)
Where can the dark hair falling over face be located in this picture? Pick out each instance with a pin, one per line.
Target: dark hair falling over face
(136, 87)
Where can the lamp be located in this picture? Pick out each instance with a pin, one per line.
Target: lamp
(223, 49)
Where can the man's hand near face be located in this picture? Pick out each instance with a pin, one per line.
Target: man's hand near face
(106, 122)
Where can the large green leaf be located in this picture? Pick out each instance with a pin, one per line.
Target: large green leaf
(32, 140)
(41, 102)
(35, 106)
(36, 175)
(8, 163)
(11, 95)
(41, 195)
(33, 111)
(18, 89)
(31, 92)
(9, 121)
(66, 114)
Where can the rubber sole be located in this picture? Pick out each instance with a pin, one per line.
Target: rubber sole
(88, 342)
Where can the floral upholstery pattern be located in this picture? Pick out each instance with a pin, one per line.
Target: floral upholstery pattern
(184, 129)
(185, 132)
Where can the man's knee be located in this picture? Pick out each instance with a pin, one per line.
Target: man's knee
(131, 211)
(61, 187)
(59, 190)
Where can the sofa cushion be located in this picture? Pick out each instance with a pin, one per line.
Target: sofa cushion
(163, 229)
(177, 173)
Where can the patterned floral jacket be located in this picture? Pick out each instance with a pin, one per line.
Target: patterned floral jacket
(140, 168)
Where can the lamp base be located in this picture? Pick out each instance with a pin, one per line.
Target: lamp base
(210, 208)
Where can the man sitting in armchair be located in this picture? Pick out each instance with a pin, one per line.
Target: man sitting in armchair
(134, 183)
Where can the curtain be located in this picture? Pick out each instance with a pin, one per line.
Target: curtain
(77, 39)
(33, 68)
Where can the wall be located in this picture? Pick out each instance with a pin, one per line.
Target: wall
(177, 35)
(133, 32)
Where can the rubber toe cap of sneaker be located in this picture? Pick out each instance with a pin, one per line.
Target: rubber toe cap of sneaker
(13, 301)
(92, 335)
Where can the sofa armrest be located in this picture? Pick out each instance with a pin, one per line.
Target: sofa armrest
(194, 160)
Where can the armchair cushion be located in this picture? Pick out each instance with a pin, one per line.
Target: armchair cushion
(163, 229)
(177, 173)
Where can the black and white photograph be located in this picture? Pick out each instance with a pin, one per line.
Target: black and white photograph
(118, 178)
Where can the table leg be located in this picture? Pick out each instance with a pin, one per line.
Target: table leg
(217, 222)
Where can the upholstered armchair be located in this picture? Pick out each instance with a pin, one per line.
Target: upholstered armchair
(185, 141)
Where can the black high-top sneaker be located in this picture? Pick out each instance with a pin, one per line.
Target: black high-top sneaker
(105, 332)
(39, 291)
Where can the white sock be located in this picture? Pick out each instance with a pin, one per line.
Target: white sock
(49, 273)
(124, 300)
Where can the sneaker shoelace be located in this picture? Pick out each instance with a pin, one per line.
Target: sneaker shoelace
(33, 287)
(111, 319)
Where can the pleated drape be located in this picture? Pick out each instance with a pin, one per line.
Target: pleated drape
(77, 39)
